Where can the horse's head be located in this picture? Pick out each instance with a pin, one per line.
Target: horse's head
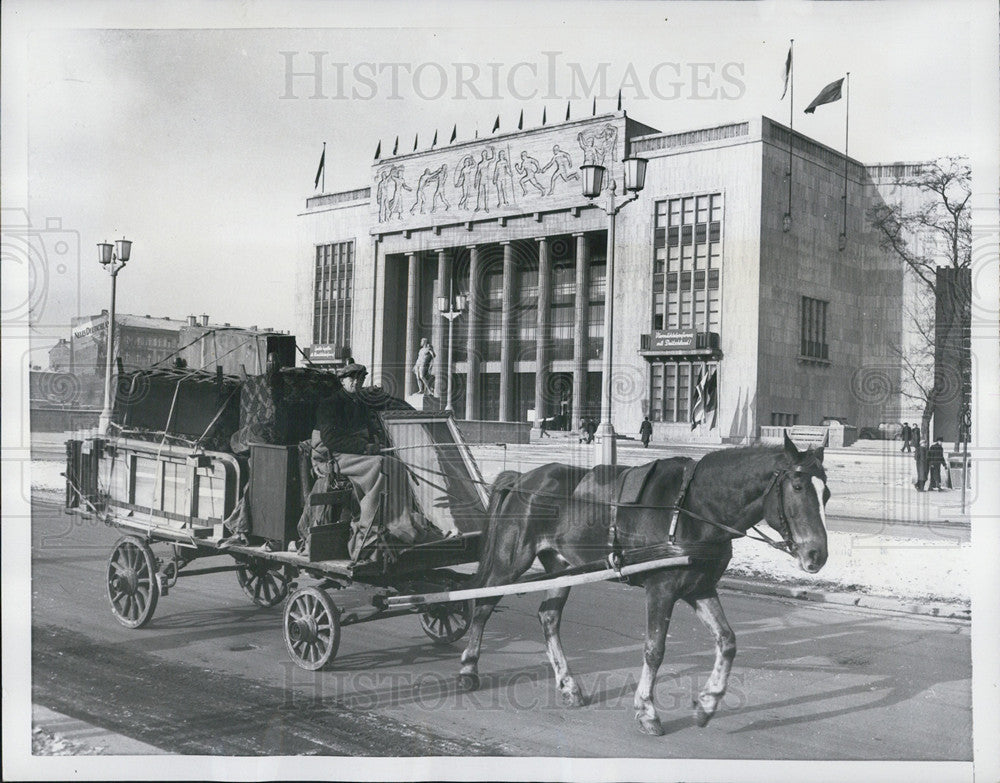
(796, 505)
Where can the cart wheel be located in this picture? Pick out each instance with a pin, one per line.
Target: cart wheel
(447, 623)
(133, 588)
(311, 628)
(263, 583)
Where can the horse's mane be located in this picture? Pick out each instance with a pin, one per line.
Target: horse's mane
(745, 456)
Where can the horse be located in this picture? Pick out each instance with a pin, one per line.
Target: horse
(564, 515)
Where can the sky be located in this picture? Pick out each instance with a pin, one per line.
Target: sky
(186, 130)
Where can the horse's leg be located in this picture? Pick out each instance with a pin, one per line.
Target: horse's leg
(709, 611)
(659, 606)
(468, 676)
(550, 615)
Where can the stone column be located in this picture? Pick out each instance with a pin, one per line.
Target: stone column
(412, 321)
(580, 326)
(507, 337)
(473, 337)
(438, 330)
(543, 406)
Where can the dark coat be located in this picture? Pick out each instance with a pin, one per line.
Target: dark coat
(344, 424)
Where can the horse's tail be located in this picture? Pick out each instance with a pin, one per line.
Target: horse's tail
(489, 539)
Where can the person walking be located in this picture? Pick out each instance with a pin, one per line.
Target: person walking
(905, 435)
(935, 461)
(915, 435)
(645, 432)
(920, 457)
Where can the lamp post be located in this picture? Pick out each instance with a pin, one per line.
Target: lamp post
(113, 258)
(450, 307)
(593, 186)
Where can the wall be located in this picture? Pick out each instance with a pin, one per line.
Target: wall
(863, 289)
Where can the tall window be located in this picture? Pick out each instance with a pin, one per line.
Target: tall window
(813, 342)
(493, 312)
(597, 288)
(332, 294)
(526, 314)
(687, 263)
(563, 310)
(674, 389)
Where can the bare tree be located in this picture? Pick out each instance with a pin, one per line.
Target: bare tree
(937, 233)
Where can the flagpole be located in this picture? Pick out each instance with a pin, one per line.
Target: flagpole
(324, 168)
(847, 125)
(791, 122)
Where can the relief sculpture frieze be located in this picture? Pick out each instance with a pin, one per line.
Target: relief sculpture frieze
(517, 174)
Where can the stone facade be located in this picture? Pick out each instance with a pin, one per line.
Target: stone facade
(710, 289)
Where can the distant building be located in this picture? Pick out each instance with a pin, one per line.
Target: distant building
(778, 321)
(141, 341)
(60, 356)
(236, 350)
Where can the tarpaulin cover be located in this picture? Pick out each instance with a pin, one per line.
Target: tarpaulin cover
(184, 403)
(280, 407)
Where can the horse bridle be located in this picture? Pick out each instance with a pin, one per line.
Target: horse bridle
(787, 544)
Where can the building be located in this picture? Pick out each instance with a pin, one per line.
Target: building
(141, 341)
(144, 342)
(60, 356)
(714, 298)
(236, 350)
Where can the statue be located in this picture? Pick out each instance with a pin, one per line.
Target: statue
(422, 366)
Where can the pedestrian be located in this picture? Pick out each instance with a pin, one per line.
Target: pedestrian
(645, 432)
(915, 435)
(935, 461)
(905, 435)
(543, 428)
(920, 456)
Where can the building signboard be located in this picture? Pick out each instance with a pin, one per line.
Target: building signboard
(501, 175)
(90, 327)
(326, 352)
(674, 340)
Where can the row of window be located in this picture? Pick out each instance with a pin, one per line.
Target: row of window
(332, 291)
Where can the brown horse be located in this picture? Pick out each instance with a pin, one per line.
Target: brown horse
(561, 515)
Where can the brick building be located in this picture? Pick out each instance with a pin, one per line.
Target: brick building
(709, 284)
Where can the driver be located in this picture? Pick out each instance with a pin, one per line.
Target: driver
(344, 423)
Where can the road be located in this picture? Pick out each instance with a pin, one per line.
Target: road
(209, 675)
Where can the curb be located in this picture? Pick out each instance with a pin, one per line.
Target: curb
(942, 611)
(79, 733)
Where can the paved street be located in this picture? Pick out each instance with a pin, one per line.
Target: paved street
(210, 675)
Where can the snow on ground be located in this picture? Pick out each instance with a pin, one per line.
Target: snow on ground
(903, 568)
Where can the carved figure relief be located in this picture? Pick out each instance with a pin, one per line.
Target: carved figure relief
(562, 163)
(529, 168)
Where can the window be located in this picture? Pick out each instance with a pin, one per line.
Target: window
(813, 342)
(493, 312)
(595, 310)
(563, 310)
(332, 294)
(673, 389)
(687, 260)
(525, 314)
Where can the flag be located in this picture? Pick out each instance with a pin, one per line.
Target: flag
(496, 125)
(322, 163)
(828, 94)
(435, 142)
(567, 110)
(415, 137)
(395, 147)
(543, 115)
(704, 399)
(619, 100)
(378, 150)
(788, 73)
(454, 133)
(520, 121)
(593, 109)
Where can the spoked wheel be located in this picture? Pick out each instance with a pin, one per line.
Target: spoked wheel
(133, 588)
(447, 623)
(311, 628)
(263, 582)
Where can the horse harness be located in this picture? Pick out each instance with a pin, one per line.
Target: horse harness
(717, 550)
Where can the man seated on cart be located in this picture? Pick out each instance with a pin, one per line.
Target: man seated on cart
(348, 442)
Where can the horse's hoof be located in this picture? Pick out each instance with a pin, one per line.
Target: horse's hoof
(573, 699)
(468, 682)
(701, 717)
(649, 725)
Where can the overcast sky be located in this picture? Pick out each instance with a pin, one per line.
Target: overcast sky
(191, 143)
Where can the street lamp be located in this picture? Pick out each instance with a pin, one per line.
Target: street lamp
(593, 185)
(450, 307)
(113, 258)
